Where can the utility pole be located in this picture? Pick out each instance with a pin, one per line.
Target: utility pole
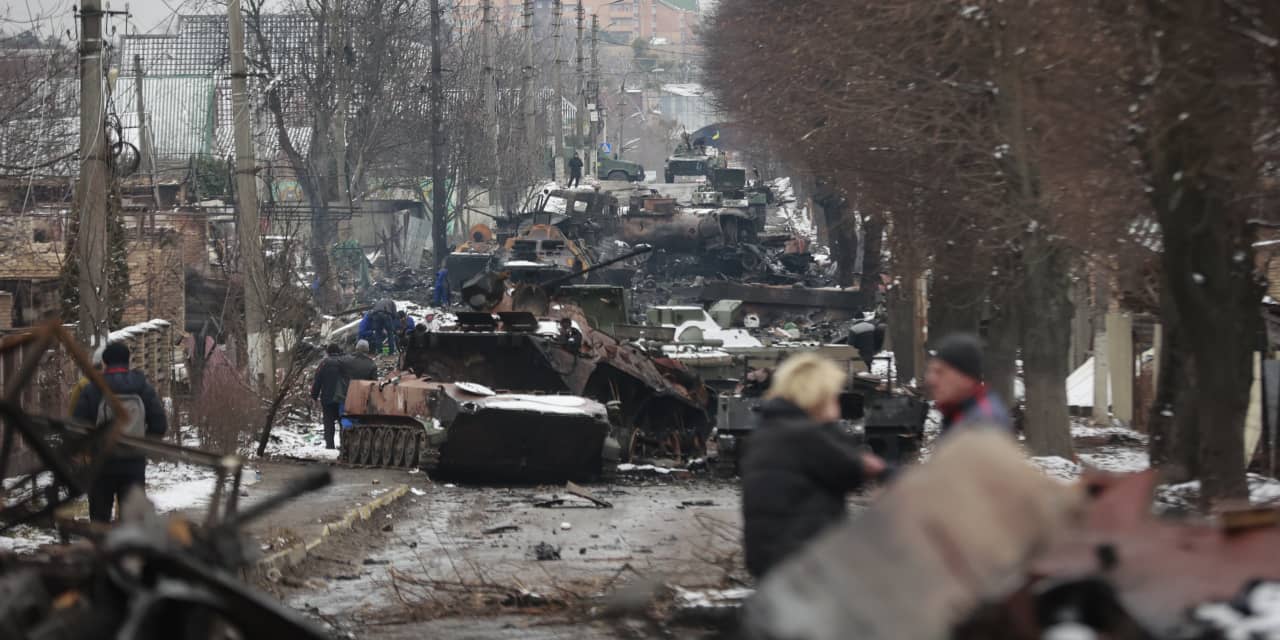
(557, 112)
(91, 189)
(580, 97)
(439, 197)
(594, 89)
(259, 340)
(491, 108)
(342, 73)
(536, 143)
(144, 138)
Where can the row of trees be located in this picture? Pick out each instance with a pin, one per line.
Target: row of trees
(348, 101)
(1010, 147)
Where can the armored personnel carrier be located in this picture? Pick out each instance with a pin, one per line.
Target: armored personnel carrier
(467, 431)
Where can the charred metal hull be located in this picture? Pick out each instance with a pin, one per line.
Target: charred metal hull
(688, 231)
(468, 432)
(659, 401)
(495, 445)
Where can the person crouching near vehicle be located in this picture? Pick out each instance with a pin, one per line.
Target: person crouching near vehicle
(954, 380)
(126, 467)
(798, 469)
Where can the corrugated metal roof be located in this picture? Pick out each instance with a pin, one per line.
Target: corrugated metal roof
(179, 110)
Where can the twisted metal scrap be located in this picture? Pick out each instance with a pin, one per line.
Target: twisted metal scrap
(68, 463)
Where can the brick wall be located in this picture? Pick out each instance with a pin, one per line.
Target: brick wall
(6, 310)
(157, 283)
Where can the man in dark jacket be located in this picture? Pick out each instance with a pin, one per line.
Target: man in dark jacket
(575, 171)
(125, 468)
(954, 379)
(798, 470)
(359, 366)
(330, 389)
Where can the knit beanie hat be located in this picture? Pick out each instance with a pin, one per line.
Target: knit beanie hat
(962, 351)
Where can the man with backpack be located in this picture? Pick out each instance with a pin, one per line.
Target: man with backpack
(125, 467)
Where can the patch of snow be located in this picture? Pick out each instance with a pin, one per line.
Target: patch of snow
(24, 539)
(1057, 467)
(711, 598)
(627, 467)
(1116, 460)
(175, 486)
(303, 441)
(1254, 616)
(557, 405)
(1082, 429)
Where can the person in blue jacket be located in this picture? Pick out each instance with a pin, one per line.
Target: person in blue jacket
(441, 297)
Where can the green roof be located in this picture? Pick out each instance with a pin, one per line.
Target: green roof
(683, 5)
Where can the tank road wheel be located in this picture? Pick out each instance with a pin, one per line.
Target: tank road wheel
(411, 450)
(380, 448)
(398, 447)
(363, 444)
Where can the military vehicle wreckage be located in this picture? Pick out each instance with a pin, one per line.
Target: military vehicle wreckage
(499, 396)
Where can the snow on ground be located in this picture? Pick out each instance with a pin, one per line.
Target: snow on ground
(1262, 490)
(174, 486)
(24, 539)
(303, 440)
(1057, 467)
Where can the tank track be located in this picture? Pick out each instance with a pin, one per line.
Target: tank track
(390, 446)
(725, 463)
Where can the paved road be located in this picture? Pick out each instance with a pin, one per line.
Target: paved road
(678, 532)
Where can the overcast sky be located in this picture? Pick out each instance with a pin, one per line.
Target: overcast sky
(145, 16)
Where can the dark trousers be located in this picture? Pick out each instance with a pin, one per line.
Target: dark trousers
(575, 179)
(115, 481)
(331, 414)
(384, 332)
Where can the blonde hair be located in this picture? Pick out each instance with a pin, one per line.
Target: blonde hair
(807, 380)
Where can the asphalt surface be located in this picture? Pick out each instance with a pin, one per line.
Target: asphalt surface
(462, 562)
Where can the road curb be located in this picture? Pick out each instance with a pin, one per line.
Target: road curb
(296, 553)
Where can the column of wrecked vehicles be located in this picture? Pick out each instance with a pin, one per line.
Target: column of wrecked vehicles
(555, 373)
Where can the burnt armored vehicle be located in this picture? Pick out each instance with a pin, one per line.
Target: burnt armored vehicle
(467, 431)
(889, 422)
(657, 407)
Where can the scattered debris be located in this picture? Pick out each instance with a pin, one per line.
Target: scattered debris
(545, 551)
(696, 503)
(502, 528)
(573, 489)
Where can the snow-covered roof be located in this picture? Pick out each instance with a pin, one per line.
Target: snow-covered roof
(685, 89)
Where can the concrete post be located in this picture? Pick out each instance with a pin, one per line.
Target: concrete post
(1120, 364)
(1101, 380)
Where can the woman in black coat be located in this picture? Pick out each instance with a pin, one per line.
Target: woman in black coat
(798, 469)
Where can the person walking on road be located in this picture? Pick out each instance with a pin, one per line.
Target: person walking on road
(575, 170)
(330, 389)
(954, 380)
(798, 470)
(359, 366)
(125, 468)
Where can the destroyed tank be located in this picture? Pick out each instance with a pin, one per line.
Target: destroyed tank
(467, 431)
(657, 407)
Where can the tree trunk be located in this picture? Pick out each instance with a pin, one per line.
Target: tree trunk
(1174, 438)
(872, 253)
(1003, 333)
(1046, 344)
(901, 302)
(1202, 166)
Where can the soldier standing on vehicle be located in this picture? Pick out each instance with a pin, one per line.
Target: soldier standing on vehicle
(575, 170)
(125, 468)
(954, 380)
(330, 389)
(798, 469)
